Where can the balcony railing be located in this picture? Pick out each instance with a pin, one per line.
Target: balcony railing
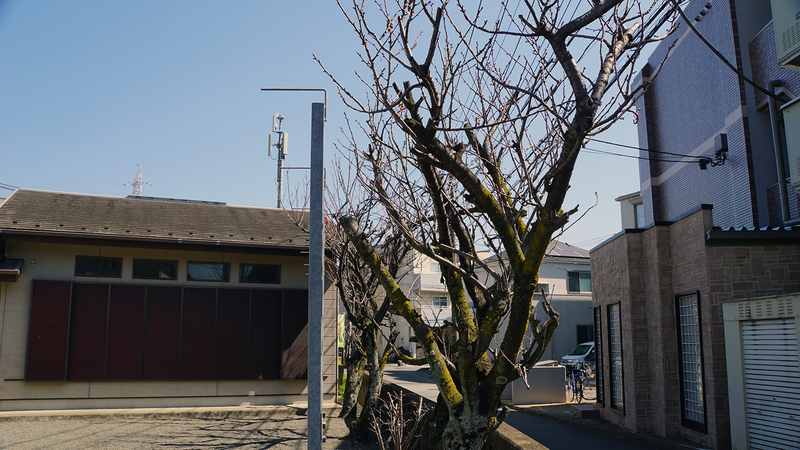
(434, 315)
(428, 282)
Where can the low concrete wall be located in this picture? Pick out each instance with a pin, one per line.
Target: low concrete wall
(505, 438)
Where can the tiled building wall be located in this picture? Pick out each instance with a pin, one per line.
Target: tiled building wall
(693, 98)
(774, 199)
(763, 62)
(727, 187)
(765, 69)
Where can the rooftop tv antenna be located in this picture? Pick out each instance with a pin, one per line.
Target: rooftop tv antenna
(282, 146)
(138, 182)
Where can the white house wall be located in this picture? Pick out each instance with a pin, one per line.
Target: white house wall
(57, 262)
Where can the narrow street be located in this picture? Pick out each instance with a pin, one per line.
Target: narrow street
(557, 429)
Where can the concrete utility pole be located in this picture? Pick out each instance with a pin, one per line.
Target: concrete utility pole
(316, 277)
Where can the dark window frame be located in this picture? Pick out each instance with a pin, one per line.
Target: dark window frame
(280, 272)
(598, 353)
(110, 258)
(579, 273)
(227, 265)
(589, 334)
(622, 359)
(133, 269)
(446, 301)
(689, 423)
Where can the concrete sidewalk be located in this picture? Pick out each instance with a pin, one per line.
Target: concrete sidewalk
(554, 425)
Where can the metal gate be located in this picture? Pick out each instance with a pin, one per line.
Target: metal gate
(772, 383)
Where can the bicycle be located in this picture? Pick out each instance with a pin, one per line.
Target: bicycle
(577, 378)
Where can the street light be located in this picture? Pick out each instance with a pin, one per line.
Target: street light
(316, 273)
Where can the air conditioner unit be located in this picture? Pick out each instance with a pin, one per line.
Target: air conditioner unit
(786, 24)
(791, 121)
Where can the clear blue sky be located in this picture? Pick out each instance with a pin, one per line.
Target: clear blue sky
(89, 89)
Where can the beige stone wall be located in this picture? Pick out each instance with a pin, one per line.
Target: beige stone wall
(56, 262)
(614, 280)
(644, 271)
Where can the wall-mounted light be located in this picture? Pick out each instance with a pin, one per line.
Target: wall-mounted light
(33, 262)
(720, 144)
(720, 153)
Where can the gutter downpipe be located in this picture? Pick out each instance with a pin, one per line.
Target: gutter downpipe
(776, 145)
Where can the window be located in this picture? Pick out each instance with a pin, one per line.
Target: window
(260, 273)
(152, 269)
(440, 301)
(436, 267)
(585, 333)
(615, 357)
(690, 343)
(91, 266)
(579, 281)
(542, 287)
(207, 271)
(598, 350)
(638, 215)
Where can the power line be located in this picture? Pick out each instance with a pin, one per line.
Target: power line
(694, 159)
(596, 240)
(643, 149)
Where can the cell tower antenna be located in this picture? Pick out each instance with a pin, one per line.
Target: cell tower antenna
(283, 147)
(138, 182)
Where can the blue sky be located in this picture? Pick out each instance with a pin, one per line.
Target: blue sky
(89, 89)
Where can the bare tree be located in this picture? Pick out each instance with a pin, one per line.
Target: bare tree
(398, 424)
(366, 306)
(472, 131)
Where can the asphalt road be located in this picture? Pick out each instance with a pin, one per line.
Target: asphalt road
(551, 433)
(557, 435)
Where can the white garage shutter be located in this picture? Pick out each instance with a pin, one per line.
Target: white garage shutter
(772, 383)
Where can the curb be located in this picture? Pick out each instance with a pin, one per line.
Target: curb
(226, 412)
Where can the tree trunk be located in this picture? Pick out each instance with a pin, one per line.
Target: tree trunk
(359, 428)
(355, 369)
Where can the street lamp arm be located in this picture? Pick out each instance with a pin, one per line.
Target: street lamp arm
(325, 112)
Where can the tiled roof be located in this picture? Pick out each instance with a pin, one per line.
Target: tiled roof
(564, 250)
(557, 250)
(75, 215)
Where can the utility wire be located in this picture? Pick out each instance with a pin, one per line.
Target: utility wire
(596, 240)
(640, 148)
(694, 159)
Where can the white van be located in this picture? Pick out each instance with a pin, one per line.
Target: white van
(583, 354)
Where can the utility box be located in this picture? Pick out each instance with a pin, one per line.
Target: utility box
(791, 121)
(547, 386)
(786, 24)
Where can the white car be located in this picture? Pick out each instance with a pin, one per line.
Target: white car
(583, 354)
